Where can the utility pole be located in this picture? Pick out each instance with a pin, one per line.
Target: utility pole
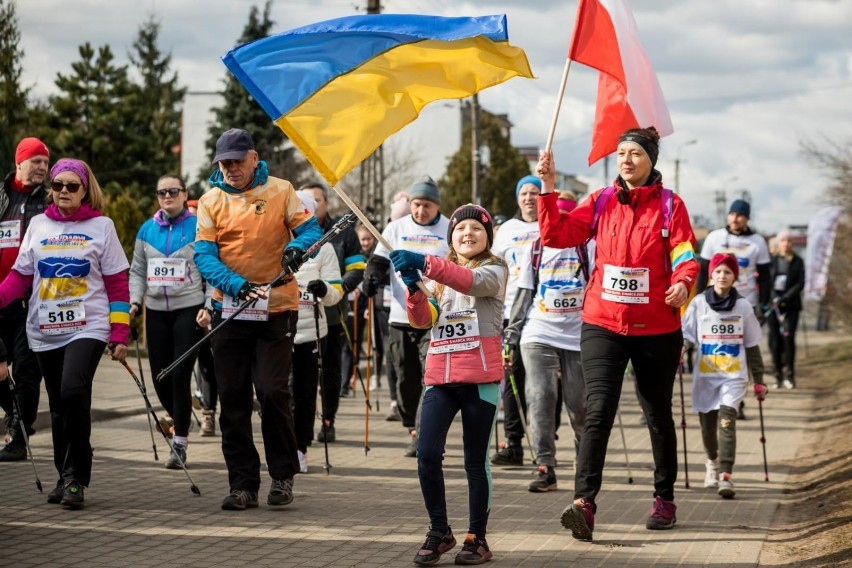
(372, 170)
(677, 163)
(721, 201)
(476, 162)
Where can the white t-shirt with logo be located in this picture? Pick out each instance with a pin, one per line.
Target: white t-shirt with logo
(750, 251)
(405, 234)
(554, 318)
(68, 262)
(510, 243)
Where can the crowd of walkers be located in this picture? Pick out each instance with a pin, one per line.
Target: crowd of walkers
(469, 316)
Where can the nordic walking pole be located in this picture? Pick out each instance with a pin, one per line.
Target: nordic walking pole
(369, 338)
(763, 441)
(514, 385)
(356, 346)
(327, 466)
(683, 422)
(372, 228)
(153, 414)
(374, 351)
(332, 234)
(135, 333)
(624, 443)
(23, 426)
(356, 369)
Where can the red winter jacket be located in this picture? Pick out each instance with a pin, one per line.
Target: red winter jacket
(629, 234)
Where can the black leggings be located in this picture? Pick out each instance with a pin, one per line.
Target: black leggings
(68, 375)
(169, 335)
(655, 359)
(305, 383)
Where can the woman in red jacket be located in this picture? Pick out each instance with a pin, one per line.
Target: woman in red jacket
(644, 268)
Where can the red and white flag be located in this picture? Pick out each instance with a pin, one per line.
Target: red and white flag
(629, 95)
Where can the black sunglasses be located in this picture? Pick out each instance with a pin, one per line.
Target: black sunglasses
(72, 186)
(171, 191)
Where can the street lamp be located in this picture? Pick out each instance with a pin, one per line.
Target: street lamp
(677, 162)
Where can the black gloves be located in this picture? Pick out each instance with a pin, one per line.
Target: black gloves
(247, 289)
(370, 286)
(292, 259)
(318, 288)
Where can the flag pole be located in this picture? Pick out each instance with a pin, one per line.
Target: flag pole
(549, 146)
(372, 228)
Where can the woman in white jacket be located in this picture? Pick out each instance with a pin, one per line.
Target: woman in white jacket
(318, 278)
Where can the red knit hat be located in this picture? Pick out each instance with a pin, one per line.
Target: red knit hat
(728, 260)
(29, 148)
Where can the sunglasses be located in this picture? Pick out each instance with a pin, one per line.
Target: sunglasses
(71, 186)
(171, 192)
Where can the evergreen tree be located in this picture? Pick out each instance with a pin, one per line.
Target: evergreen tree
(497, 185)
(123, 208)
(240, 110)
(13, 98)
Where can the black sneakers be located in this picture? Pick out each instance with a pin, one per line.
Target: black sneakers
(240, 500)
(545, 480)
(280, 493)
(510, 454)
(55, 496)
(327, 434)
(436, 544)
(72, 496)
(13, 452)
(474, 551)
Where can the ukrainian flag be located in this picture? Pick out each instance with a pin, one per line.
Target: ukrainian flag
(339, 88)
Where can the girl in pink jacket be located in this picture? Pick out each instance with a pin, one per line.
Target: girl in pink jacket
(463, 371)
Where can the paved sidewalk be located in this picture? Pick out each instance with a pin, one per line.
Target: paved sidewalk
(368, 512)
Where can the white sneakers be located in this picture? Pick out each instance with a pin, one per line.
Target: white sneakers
(711, 475)
(726, 486)
(303, 461)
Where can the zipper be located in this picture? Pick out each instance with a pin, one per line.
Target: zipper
(168, 253)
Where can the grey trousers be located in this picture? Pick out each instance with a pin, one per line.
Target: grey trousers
(719, 434)
(546, 366)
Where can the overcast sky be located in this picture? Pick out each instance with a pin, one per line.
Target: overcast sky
(748, 79)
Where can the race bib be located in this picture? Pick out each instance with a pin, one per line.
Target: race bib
(306, 299)
(257, 312)
(563, 301)
(166, 271)
(721, 343)
(717, 328)
(626, 285)
(780, 283)
(455, 331)
(59, 317)
(10, 234)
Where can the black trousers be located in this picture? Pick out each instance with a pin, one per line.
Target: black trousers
(207, 378)
(266, 348)
(170, 335)
(305, 383)
(513, 425)
(655, 359)
(783, 345)
(68, 375)
(25, 370)
(407, 347)
(335, 344)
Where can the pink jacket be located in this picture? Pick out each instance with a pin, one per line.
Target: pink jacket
(483, 288)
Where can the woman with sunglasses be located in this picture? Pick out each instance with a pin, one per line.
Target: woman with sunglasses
(163, 273)
(72, 259)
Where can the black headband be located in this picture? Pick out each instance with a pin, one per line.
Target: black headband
(651, 148)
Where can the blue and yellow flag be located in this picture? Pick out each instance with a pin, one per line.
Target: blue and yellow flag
(339, 88)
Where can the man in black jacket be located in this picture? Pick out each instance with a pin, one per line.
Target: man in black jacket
(22, 197)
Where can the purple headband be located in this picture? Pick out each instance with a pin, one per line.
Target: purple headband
(71, 165)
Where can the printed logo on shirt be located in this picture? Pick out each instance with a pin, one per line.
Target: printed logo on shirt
(524, 239)
(62, 277)
(420, 241)
(67, 241)
(259, 206)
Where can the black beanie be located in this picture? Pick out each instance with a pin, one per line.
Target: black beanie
(471, 211)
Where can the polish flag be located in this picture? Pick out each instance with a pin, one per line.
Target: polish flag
(629, 95)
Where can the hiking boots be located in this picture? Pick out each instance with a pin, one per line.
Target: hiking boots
(240, 500)
(579, 518)
(327, 434)
(280, 493)
(474, 551)
(208, 423)
(176, 457)
(437, 543)
(726, 486)
(711, 473)
(510, 454)
(55, 496)
(662, 515)
(72, 496)
(303, 461)
(13, 451)
(545, 480)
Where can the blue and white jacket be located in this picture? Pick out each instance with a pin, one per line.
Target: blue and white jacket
(162, 237)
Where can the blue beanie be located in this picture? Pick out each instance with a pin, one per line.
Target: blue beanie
(741, 207)
(427, 189)
(525, 180)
